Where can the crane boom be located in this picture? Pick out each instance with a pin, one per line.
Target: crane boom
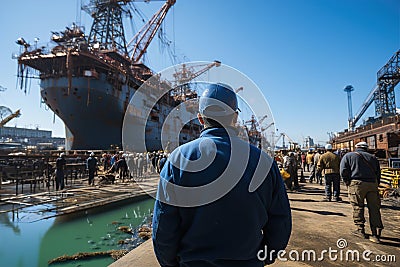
(144, 37)
(239, 89)
(186, 75)
(10, 117)
(290, 139)
(263, 129)
(262, 119)
(367, 102)
(283, 140)
(216, 63)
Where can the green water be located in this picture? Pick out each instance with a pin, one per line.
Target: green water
(26, 241)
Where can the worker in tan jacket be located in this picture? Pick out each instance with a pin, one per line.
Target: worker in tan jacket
(330, 164)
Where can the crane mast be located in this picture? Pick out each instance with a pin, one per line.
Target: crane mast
(388, 77)
(107, 31)
(383, 92)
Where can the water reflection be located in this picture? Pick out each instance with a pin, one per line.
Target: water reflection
(20, 240)
(5, 220)
(34, 244)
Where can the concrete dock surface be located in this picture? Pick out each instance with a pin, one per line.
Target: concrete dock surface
(318, 226)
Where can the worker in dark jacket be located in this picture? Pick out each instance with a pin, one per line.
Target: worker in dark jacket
(329, 162)
(290, 165)
(361, 172)
(214, 208)
(91, 165)
(60, 164)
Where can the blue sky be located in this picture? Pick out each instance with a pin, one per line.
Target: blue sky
(301, 53)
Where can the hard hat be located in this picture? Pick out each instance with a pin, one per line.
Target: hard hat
(92, 154)
(218, 100)
(62, 155)
(328, 146)
(362, 145)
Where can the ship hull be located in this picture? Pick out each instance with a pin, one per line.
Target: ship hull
(93, 112)
(92, 115)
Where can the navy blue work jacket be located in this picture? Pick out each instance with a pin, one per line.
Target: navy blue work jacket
(198, 229)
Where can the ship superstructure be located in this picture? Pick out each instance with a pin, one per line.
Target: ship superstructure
(88, 80)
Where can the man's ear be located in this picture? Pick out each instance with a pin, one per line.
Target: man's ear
(235, 117)
(200, 118)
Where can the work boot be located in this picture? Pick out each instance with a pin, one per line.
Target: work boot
(374, 238)
(360, 232)
(379, 232)
(338, 199)
(326, 199)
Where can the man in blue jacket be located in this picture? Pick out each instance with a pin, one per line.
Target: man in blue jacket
(220, 200)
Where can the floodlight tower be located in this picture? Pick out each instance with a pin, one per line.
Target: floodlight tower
(348, 89)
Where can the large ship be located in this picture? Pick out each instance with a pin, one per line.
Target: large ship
(89, 80)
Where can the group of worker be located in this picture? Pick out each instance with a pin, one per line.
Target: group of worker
(359, 170)
(61, 162)
(134, 165)
(216, 208)
(194, 226)
(126, 165)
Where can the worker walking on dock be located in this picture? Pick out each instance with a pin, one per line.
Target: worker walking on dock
(361, 172)
(289, 165)
(60, 164)
(330, 164)
(318, 175)
(91, 165)
(197, 224)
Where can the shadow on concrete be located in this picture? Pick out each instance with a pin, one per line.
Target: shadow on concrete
(307, 191)
(305, 200)
(395, 241)
(321, 212)
(390, 207)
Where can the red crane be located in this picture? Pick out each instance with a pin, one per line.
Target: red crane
(145, 35)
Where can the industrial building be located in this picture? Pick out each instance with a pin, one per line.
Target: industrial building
(30, 137)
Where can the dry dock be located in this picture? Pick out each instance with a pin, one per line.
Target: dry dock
(317, 226)
(76, 196)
